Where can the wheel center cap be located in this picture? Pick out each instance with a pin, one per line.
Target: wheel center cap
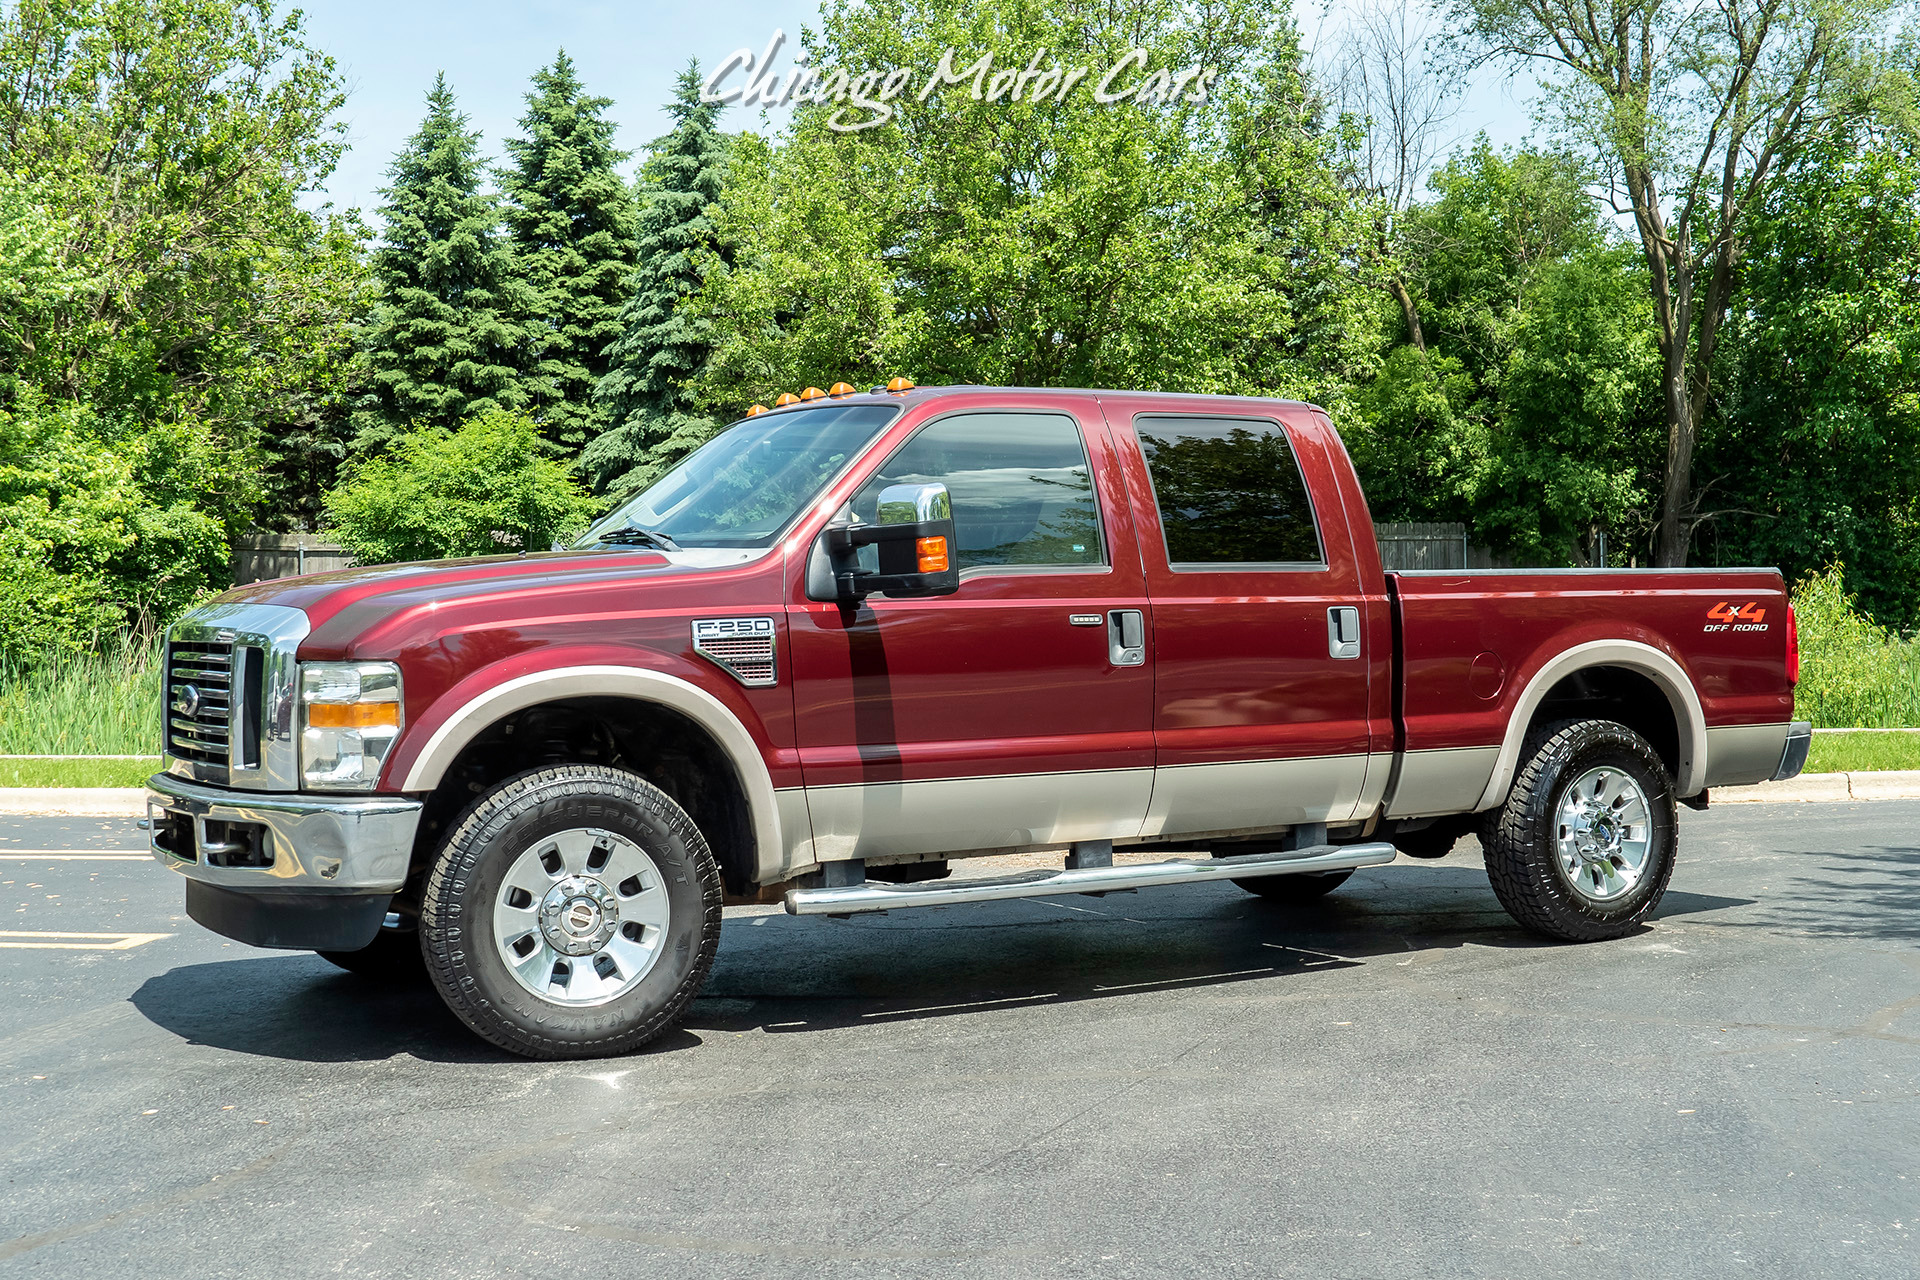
(578, 915)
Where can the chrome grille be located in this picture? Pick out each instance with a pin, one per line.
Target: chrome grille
(199, 701)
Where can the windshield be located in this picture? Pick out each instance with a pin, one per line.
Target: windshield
(744, 486)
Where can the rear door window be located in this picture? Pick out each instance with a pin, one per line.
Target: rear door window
(1230, 494)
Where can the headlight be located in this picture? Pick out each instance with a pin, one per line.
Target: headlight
(350, 716)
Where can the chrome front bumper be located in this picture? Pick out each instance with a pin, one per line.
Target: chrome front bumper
(361, 843)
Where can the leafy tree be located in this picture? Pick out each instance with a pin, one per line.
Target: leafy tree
(1201, 245)
(646, 394)
(1691, 110)
(570, 217)
(104, 525)
(1816, 456)
(155, 263)
(446, 337)
(488, 488)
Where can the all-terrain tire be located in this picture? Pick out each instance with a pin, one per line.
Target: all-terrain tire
(393, 956)
(1295, 890)
(1523, 838)
(466, 889)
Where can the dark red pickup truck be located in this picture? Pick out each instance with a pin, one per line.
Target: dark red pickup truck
(858, 638)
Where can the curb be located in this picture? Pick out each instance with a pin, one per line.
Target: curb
(74, 802)
(131, 802)
(1892, 784)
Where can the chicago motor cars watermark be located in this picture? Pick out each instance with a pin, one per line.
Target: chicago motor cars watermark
(866, 101)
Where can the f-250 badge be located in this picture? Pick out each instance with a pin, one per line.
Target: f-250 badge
(1736, 617)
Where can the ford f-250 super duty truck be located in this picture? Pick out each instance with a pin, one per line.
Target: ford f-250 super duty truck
(856, 639)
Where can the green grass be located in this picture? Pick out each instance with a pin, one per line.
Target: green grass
(104, 704)
(77, 773)
(1853, 673)
(1851, 752)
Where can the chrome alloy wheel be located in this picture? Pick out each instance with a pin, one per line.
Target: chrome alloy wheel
(581, 917)
(1603, 831)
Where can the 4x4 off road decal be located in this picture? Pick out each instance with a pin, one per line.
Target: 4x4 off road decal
(1736, 617)
(742, 647)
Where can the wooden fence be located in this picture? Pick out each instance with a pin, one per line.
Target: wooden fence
(259, 556)
(1432, 545)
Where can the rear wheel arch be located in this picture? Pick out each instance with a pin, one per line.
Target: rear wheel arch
(1614, 680)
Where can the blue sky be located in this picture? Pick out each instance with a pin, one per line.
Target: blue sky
(389, 52)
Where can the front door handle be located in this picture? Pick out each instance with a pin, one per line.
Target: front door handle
(1126, 638)
(1343, 632)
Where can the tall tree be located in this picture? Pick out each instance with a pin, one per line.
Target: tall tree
(647, 393)
(571, 218)
(1691, 108)
(446, 337)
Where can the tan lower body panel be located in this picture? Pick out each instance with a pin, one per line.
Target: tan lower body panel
(957, 815)
(1254, 794)
(1744, 753)
(1436, 782)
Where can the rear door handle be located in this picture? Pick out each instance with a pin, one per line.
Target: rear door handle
(1126, 638)
(1343, 632)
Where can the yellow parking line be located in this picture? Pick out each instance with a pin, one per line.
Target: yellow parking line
(66, 940)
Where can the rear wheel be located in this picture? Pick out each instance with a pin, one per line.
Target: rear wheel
(1584, 846)
(573, 914)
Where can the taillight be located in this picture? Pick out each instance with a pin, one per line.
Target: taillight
(1793, 648)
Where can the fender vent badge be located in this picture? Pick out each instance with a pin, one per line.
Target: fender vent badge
(742, 647)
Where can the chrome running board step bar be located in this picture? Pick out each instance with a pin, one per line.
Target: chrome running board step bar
(874, 896)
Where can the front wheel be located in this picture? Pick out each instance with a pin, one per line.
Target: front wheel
(1584, 846)
(573, 914)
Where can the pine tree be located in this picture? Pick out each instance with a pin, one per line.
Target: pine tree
(652, 419)
(444, 341)
(571, 218)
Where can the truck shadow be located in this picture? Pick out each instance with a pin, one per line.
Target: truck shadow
(783, 974)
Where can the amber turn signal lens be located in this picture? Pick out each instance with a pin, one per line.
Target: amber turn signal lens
(756, 410)
(840, 389)
(933, 554)
(786, 398)
(353, 715)
(899, 384)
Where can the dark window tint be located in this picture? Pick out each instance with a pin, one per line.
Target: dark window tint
(1229, 491)
(1022, 492)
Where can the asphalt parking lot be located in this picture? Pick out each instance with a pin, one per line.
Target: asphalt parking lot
(1188, 1081)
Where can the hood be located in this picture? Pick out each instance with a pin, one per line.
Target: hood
(347, 604)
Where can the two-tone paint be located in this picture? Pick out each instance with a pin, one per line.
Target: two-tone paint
(996, 718)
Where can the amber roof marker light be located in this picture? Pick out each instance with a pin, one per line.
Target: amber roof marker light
(813, 393)
(897, 385)
(839, 389)
(756, 410)
(786, 398)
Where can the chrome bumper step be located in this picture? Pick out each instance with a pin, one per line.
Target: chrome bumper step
(872, 896)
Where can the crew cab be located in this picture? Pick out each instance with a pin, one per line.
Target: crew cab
(858, 639)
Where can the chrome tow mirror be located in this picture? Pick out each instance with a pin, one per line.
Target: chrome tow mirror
(914, 539)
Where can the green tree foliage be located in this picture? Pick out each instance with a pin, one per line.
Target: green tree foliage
(1529, 416)
(486, 489)
(647, 393)
(446, 335)
(1204, 246)
(162, 293)
(1691, 111)
(571, 218)
(1817, 455)
(104, 525)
